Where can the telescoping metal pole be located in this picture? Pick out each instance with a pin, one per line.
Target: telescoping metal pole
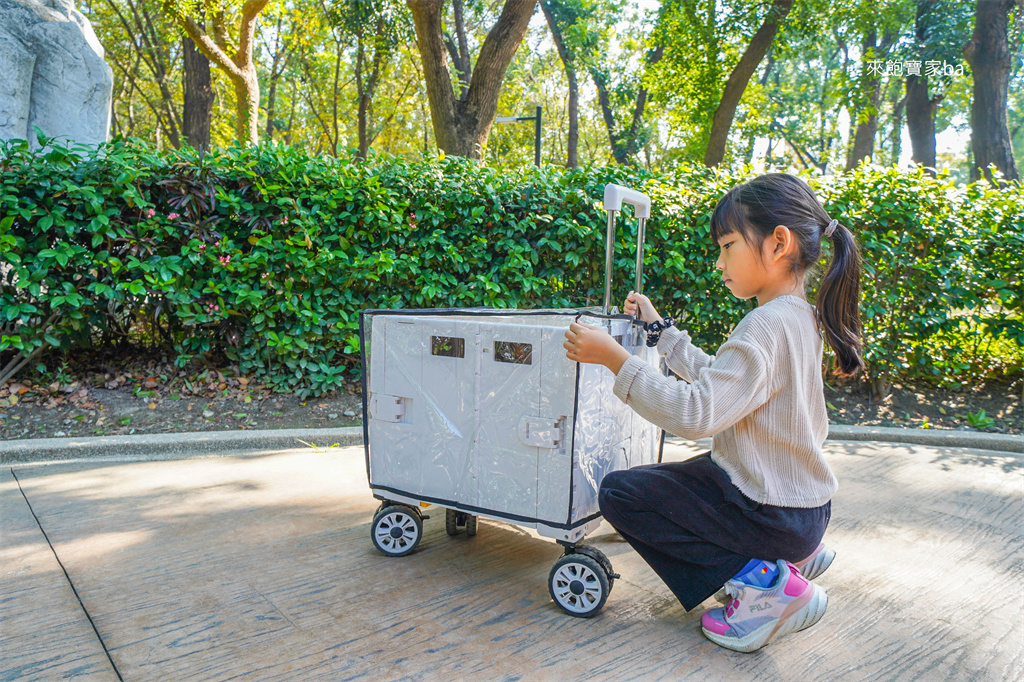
(641, 226)
(609, 247)
(614, 197)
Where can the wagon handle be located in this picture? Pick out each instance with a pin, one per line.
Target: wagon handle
(614, 197)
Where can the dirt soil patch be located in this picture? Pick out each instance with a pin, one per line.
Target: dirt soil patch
(105, 397)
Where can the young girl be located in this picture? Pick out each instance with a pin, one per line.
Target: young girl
(751, 513)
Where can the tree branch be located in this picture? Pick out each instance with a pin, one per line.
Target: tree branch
(246, 30)
(740, 77)
(220, 31)
(797, 149)
(15, 366)
(499, 48)
(888, 38)
(463, 61)
(205, 44)
(453, 52)
(131, 81)
(383, 124)
(604, 100)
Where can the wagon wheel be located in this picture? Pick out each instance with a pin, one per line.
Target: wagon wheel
(396, 530)
(451, 525)
(454, 521)
(579, 585)
(601, 558)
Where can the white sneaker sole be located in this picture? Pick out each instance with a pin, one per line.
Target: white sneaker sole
(819, 564)
(803, 617)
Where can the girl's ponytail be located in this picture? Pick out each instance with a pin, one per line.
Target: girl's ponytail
(837, 301)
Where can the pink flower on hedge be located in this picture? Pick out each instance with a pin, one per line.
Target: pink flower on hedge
(283, 220)
(202, 247)
(173, 216)
(150, 212)
(225, 259)
(216, 243)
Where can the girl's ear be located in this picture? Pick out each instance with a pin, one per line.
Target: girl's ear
(780, 243)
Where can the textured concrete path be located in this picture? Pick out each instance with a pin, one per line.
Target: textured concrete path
(261, 568)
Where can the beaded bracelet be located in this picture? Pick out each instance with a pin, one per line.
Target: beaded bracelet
(654, 330)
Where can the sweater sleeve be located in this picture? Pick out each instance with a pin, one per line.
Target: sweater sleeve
(681, 356)
(731, 387)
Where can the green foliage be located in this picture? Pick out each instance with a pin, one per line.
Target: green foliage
(267, 255)
(702, 45)
(936, 267)
(979, 419)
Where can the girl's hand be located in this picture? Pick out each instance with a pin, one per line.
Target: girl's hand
(647, 312)
(584, 343)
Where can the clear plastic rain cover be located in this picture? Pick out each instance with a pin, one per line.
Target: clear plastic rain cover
(479, 409)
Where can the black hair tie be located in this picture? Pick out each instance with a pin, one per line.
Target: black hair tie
(654, 330)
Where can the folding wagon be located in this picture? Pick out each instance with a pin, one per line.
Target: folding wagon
(478, 411)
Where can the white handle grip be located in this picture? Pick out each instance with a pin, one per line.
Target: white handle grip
(616, 195)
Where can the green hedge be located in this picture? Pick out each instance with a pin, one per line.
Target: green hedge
(267, 255)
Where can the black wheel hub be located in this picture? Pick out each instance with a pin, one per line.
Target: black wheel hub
(576, 587)
(396, 532)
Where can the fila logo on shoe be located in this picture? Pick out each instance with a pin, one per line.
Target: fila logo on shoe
(763, 606)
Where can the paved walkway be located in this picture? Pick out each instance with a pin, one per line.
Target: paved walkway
(261, 568)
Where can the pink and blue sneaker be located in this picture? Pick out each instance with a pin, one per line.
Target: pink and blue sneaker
(756, 615)
(810, 568)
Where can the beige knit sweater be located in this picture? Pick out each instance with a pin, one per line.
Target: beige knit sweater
(761, 398)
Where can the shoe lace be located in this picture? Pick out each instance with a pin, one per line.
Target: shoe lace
(734, 588)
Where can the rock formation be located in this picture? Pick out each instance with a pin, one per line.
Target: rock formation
(52, 73)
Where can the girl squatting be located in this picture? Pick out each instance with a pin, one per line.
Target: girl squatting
(745, 520)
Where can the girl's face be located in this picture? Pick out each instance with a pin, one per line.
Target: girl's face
(742, 271)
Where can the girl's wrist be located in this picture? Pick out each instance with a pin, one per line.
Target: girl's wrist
(617, 360)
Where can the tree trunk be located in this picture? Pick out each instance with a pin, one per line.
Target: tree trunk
(920, 106)
(898, 108)
(573, 140)
(291, 117)
(988, 54)
(921, 121)
(364, 107)
(239, 67)
(150, 50)
(738, 79)
(462, 126)
(271, 105)
(867, 117)
(367, 85)
(623, 143)
(363, 99)
(198, 106)
(335, 135)
(605, 102)
(247, 107)
(277, 67)
(568, 61)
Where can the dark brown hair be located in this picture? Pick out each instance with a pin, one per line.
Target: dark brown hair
(753, 210)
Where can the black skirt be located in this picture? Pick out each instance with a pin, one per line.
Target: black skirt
(697, 530)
